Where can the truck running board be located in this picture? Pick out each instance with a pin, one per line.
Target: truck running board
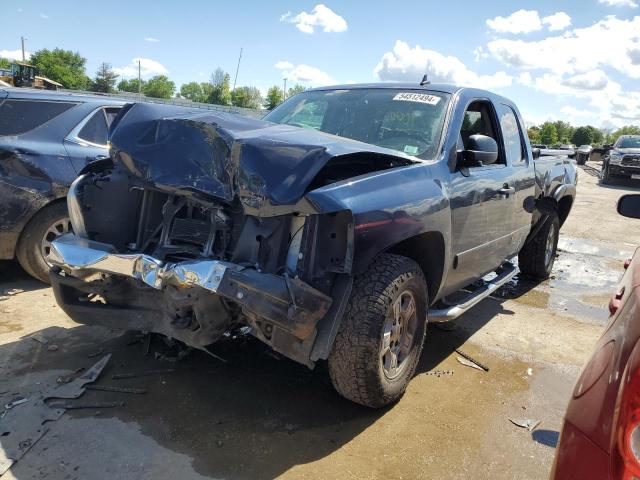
(453, 306)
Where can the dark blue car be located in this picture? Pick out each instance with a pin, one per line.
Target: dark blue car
(46, 138)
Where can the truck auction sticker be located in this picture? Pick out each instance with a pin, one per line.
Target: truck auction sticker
(417, 97)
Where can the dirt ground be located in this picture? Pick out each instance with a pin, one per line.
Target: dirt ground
(260, 416)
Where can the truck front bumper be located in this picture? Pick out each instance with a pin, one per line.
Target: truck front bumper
(623, 170)
(136, 287)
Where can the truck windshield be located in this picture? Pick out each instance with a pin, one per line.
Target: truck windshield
(629, 142)
(409, 121)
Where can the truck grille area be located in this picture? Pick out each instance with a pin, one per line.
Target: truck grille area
(631, 160)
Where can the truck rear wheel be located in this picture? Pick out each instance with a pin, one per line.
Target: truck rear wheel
(380, 339)
(536, 257)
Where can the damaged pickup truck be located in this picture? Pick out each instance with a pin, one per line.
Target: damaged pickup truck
(336, 228)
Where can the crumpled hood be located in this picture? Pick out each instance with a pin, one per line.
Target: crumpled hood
(224, 155)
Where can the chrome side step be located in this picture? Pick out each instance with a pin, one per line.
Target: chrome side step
(480, 291)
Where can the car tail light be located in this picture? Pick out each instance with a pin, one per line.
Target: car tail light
(626, 458)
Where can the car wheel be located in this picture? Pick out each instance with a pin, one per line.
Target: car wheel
(581, 159)
(536, 258)
(605, 176)
(380, 339)
(34, 245)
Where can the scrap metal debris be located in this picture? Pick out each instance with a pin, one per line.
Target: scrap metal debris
(468, 363)
(12, 404)
(38, 337)
(472, 360)
(22, 428)
(120, 376)
(108, 388)
(439, 373)
(53, 348)
(527, 423)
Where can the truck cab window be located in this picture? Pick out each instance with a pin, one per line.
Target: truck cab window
(479, 120)
(512, 135)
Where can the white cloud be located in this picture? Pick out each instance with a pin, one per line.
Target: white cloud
(619, 3)
(321, 16)
(148, 68)
(304, 74)
(592, 80)
(522, 21)
(573, 113)
(479, 53)
(557, 21)
(410, 64)
(44, 16)
(14, 54)
(151, 39)
(607, 42)
(525, 79)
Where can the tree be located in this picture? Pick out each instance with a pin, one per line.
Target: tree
(626, 130)
(582, 136)
(548, 133)
(564, 131)
(534, 134)
(131, 85)
(221, 90)
(246, 97)
(196, 92)
(63, 66)
(105, 79)
(5, 63)
(159, 87)
(297, 88)
(275, 96)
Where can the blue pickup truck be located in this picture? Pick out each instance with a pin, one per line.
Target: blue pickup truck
(335, 228)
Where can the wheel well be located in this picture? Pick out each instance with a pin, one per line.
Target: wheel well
(427, 250)
(564, 207)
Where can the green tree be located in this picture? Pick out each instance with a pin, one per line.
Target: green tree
(131, 85)
(534, 134)
(297, 88)
(246, 97)
(275, 96)
(548, 134)
(159, 87)
(5, 63)
(626, 130)
(105, 79)
(564, 131)
(220, 88)
(63, 66)
(582, 136)
(196, 92)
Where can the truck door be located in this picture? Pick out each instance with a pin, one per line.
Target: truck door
(522, 176)
(483, 204)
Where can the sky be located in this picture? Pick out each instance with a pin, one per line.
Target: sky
(575, 60)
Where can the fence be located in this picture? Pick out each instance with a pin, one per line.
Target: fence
(134, 97)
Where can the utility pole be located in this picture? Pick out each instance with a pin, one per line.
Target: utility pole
(284, 90)
(139, 82)
(22, 39)
(237, 69)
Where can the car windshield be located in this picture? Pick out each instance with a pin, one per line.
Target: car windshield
(628, 142)
(409, 121)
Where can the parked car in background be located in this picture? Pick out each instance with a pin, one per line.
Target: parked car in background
(563, 150)
(539, 146)
(582, 154)
(332, 229)
(601, 432)
(46, 138)
(623, 159)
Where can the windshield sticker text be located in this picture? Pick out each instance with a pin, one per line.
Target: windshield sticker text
(417, 97)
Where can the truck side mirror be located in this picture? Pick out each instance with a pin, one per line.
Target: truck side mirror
(481, 150)
(535, 152)
(629, 205)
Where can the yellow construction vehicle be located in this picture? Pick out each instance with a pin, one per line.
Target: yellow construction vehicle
(25, 75)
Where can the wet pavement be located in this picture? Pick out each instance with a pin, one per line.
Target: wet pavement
(257, 415)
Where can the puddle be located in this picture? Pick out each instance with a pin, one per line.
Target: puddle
(584, 275)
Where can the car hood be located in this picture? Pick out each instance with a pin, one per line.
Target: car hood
(224, 155)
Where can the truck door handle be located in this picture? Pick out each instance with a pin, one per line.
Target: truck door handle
(507, 190)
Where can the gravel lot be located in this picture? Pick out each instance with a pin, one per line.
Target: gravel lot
(260, 416)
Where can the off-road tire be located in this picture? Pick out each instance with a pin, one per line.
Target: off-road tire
(354, 362)
(532, 258)
(581, 159)
(605, 177)
(29, 250)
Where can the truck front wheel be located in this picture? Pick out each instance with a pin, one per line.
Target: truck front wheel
(537, 256)
(380, 339)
